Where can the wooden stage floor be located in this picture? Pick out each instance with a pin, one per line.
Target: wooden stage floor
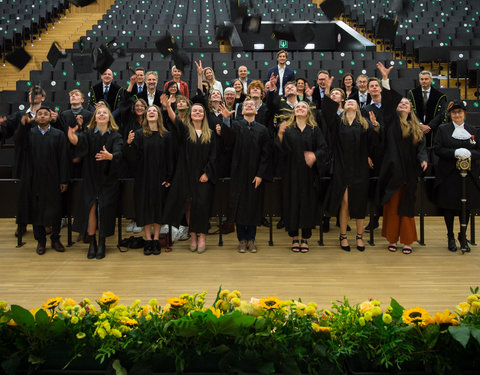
(431, 277)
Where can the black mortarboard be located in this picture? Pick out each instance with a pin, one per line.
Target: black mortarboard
(283, 32)
(102, 58)
(54, 54)
(82, 63)
(18, 58)
(180, 59)
(386, 28)
(166, 44)
(223, 32)
(81, 3)
(332, 8)
(251, 24)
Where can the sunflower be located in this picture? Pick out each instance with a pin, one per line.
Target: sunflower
(177, 301)
(417, 316)
(108, 298)
(446, 318)
(52, 303)
(129, 322)
(270, 303)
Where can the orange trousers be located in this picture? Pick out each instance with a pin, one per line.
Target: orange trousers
(395, 226)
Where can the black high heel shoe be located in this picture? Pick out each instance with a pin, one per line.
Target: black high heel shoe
(343, 236)
(359, 237)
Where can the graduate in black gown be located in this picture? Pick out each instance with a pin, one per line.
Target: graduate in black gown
(250, 163)
(353, 139)
(100, 146)
(149, 149)
(455, 140)
(192, 187)
(44, 176)
(303, 143)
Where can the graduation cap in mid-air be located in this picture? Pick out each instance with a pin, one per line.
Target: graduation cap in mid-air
(18, 58)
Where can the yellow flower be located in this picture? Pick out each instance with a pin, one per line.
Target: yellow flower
(109, 299)
(68, 302)
(34, 311)
(237, 293)
(153, 302)
(417, 316)
(376, 303)
(361, 321)
(231, 295)
(463, 308)
(387, 318)
(475, 307)
(235, 302)
(316, 327)
(52, 303)
(215, 312)
(389, 309)
(81, 335)
(101, 333)
(313, 304)
(224, 306)
(376, 311)
(365, 306)
(129, 322)
(74, 320)
(310, 310)
(148, 317)
(368, 316)
(270, 303)
(223, 294)
(3, 305)
(472, 298)
(177, 302)
(116, 333)
(445, 318)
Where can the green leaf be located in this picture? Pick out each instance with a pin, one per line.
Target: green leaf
(35, 360)
(260, 323)
(42, 318)
(119, 369)
(475, 332)
(22, 317)
(432, 333)
(397, 309)
(220, 349)
(461, 334)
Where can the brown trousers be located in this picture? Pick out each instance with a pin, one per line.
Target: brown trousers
(395, 226)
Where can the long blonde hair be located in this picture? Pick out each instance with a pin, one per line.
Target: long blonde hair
(112, 125)
(292, 120)
(206, 136)
(411, 126)
(358, 118)
(147, 132)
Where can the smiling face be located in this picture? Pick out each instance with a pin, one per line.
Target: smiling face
(151, 82)
(300, 85)
(362, 84)
(140, 76)
(152, 114)
(197, 113)
(301, 109)
(282, 58)
(229, 98)
(139, 108)
(107, 77)
(176, 74)
(458, 115)
(173, 89)
(42, 118)
(243, 72)
(182, 104)
(404, 106)
(374, 88)
(350, 105)
(348, 81)
(237, 85)
(249, 108)
(322, 80)
(101, 115)
(215, 96)
(336, 96)
(209, 74)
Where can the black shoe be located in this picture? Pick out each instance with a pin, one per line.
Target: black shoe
(58, 246)
(341, 238)
(148, 248)
(265, 222)
(326, 225)
(280, 224)
(360, 237)
(372, 225)
(452, 245)
(101, 248)
(156, 250)
(92, 249)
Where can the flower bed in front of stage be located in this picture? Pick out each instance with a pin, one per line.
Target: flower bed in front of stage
(261, 335)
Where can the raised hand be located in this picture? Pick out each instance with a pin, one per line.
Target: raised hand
(54, 115)
(79, 119)
(72, 137)
(384, 71)
(103, 155)
(308, 90)
(225, 112)
(200, 69)
(273, 82)
(373, 119)
(131, 137)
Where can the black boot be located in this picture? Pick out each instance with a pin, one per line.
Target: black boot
(156, 250)
(92, 249)
(101, 248)
(452, 246)
(147, 249)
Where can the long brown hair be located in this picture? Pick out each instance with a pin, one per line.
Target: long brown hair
(292, 120)
(206, 134)
(358, 118)
(147, 132)
(112, 125)
(411, 127)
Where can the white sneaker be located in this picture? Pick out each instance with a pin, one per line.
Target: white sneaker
(130, 226)
(137, 229)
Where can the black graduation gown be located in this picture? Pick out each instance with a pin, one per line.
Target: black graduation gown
(194, 159)
(401, 160)
(100, 180)
(251, 157)
(153, 165)
(45, 168)
(114, 96)
(300, 183)
(448, 182)
(352, 146)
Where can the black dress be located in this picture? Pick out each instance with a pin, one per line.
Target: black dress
(153, 162)
(44, 169)
(100, 180)
(300, 183)
(401, 161)
(448, 183)
(352, 145)
(194, 159)
(251, 158)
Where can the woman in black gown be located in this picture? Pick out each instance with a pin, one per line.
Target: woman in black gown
(192, 188)
(149, 149)
(100, 146)
(302, 142)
